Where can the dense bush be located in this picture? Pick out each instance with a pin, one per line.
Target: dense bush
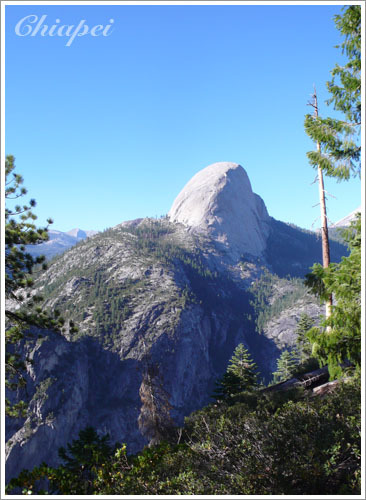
(264, 444)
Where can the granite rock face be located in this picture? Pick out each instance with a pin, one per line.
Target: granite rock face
(219, 201)
(71, 387)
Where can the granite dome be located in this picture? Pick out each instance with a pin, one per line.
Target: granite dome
(219, 201)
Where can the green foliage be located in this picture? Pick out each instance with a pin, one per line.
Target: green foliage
(241, 375)
(338, 339)
(20, 231)
(81, 461)
(297, 360)
(340, 154)
(258, 446)
(242, 365)
(286, 366)
(346, 95)
(269, 301)
(41, 389)
(228, 386)
(339, 139)
(152, 239)
(303, 345)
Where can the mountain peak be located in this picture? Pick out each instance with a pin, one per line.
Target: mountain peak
(58, 242)
(346, 221)
(77, 233)
(219, 201)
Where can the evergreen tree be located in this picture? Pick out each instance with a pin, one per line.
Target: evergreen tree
(338, 144)
(338, 339)
(242, 365)
(20, 231)
(286, 365)
(339, 152)
(228, 386)
(81, 459)
(303, 344)
(241, 375)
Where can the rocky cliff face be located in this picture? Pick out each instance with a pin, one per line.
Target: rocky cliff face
(160, 306)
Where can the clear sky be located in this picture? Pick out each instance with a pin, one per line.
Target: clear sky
(112, 127)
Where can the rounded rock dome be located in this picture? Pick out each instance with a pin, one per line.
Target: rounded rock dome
(219, 201)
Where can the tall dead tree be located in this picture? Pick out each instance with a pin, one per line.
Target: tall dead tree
(323, 210)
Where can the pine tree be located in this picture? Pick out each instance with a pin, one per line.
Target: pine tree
(20, 231)
(242, 365)
(338, 156)
(241, 375)
(338, 339)
(303, 344)
(228, 386)
(286, 365)
(340, 150)
(81, 459)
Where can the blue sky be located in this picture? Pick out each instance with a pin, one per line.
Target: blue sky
(111, 128)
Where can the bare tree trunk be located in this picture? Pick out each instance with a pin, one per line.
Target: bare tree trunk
(323, 213)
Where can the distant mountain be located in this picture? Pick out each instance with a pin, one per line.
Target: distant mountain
(346, 221)
(335, 230)
(59, 242)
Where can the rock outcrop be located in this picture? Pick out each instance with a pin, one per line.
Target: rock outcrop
(219, 202)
